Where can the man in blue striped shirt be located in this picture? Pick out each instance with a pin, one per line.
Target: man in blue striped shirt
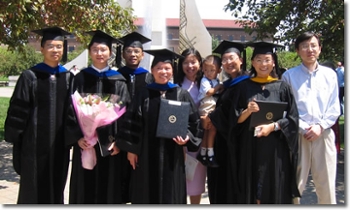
(340, 74)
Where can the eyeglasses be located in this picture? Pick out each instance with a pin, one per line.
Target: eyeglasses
(260, 61)
(52, 46)
(308, 46)
(229, 59)
(97, 50)
(135, 51)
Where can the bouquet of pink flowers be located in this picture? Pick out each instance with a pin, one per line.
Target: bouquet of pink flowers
(93, 111)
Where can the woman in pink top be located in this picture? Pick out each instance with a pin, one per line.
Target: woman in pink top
(189, 76)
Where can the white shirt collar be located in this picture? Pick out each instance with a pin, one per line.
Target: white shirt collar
(100, 70)
(304, 68)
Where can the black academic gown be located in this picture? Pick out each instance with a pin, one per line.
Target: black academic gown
(136, 78)
(105, 183)
(221, 189)
(159, 177)
(34, 124)
(265, 165)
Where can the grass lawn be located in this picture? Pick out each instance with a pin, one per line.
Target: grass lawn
(2, 78)
(4, 103)
(341, 127)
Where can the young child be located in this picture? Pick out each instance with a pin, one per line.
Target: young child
(208, 90)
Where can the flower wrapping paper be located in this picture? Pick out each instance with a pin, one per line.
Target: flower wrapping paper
(92, 111)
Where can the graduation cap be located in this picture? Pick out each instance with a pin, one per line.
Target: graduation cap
(163, 55)
(99, 36)
(54, 33)
(236, 47)
(51, 33)
(263, 47)
(228, 46)
(134, 39)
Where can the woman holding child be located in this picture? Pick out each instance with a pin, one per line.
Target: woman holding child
(221, 188)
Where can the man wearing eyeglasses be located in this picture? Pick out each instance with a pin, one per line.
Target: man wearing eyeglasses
(316, 92)
(133, 54)
(35, 121)
(136, 77)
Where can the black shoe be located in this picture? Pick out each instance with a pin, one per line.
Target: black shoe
(202, 159)
(212, 162)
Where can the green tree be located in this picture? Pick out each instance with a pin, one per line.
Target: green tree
(248, 54)
(19, 17)
(285, 59)
(214, 42)
(285, 20)
(75, 53)
(14, 62)
(288, 59)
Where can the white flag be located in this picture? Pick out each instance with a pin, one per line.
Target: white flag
(192, 31)
(125, 3)
(80, 62)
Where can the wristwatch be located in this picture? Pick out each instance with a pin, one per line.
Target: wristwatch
(277, 127)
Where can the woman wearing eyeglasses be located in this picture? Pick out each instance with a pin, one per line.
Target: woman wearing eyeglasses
(220, 187)
(264, 166)
(158, 162)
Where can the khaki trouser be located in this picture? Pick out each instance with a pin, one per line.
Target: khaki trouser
(321, 157)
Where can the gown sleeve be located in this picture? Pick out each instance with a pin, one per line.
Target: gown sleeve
(222, 114)
(72, 129)
(289, 129)
(130, 130)
(20, 108)
(106, 134)
(290, 124)
(195, 131)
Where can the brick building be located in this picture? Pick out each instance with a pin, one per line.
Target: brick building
(220, 29)
(72, 42)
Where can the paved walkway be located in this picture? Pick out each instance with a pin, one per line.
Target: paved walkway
(6, 91)
(9, 180)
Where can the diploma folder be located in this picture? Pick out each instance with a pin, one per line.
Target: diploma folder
(269, 111)
(173, 119)
(105, 136)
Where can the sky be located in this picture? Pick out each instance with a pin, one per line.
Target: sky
(208, 9)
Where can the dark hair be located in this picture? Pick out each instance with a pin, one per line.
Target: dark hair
(180, 72)
(329, 64)
(212, 60)
(306, 36)
(275, 71)
(90, 45)
(281, 71)
(42, 43)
